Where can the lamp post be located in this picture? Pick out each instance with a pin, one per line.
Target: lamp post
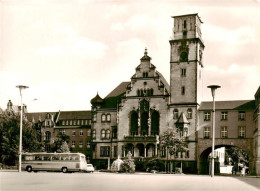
(21, 87)
(213, 88)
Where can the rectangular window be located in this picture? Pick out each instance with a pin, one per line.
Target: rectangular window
(104, 151)
(207, 115)
(241, 131)
(184, 24)
(81, 132)
(89, 132)
(93, 134)
(73, 133)
(80, 144)
(88, 145)
(115, 151)
(242, 115)
(183, 72)
(163, 154)
(63, 123)
(224, 132)
(206, 133)
(62, 131)
(224, 115)
(73, 143)
(183, 90)
(74, 122)
(187, 154)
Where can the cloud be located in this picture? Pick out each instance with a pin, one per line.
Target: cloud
(73, 45)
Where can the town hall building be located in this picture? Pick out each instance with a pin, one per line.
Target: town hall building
(134, 115)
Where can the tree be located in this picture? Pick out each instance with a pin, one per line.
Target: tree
(9, 136)
(237, 155)
(172, 141)
(64, 148)
(60, 139)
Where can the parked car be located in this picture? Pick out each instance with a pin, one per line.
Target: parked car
(90, 168)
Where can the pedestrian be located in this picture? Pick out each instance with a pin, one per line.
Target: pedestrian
(243, 170)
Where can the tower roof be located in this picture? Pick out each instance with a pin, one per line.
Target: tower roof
(146, 57)
(96, 100)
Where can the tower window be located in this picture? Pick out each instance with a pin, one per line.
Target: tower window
(183, 72)
(184, 57)
(183, 90)
(145, 74)
(184, 24)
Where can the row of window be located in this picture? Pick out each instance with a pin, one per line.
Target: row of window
(76, 122)
(80, 144)
(73, 133)
(224, 115)
(144, 92)
(185, 154)
(105, 152)
(224, 132)
(176, 113)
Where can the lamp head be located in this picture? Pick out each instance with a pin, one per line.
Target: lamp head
(213, 88)
(22, 87)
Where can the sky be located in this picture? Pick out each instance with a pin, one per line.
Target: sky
(68, 50)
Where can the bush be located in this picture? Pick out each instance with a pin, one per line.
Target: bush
(155, 164)
(139, 165)
(128, 165)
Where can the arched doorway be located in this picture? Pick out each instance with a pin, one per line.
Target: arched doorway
(150, 150)
(227, 157)
(129, 147)
(140, 147)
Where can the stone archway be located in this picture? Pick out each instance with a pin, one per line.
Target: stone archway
(205, 162)
(141, 149)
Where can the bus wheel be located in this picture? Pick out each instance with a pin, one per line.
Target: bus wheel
(64, 170)
(29, 169)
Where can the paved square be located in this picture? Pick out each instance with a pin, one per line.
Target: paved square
(107, 181)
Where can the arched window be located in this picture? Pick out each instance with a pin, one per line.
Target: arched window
(108, 117)
(103, 118)
(175, 114)
(107, 134)
(134, 123)
(144, 123)
(189, 113)
(103, 134)
(155, 118)
(47, 135)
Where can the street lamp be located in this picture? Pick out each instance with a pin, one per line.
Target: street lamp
(21, 87)
(213, 88)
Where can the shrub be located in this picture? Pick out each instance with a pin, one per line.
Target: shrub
(128, 165)
(155, 164)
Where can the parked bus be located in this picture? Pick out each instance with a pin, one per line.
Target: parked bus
(64, 162)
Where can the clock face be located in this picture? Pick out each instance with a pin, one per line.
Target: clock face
(184, 57)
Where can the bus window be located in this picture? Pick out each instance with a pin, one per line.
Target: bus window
(65, 158)
(38, 157)
(29, 158)
(55, 158)
(46, 158)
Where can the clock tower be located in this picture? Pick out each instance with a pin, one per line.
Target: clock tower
(186, 60)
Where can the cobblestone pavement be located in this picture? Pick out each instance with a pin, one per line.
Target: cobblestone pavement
(11, 180)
